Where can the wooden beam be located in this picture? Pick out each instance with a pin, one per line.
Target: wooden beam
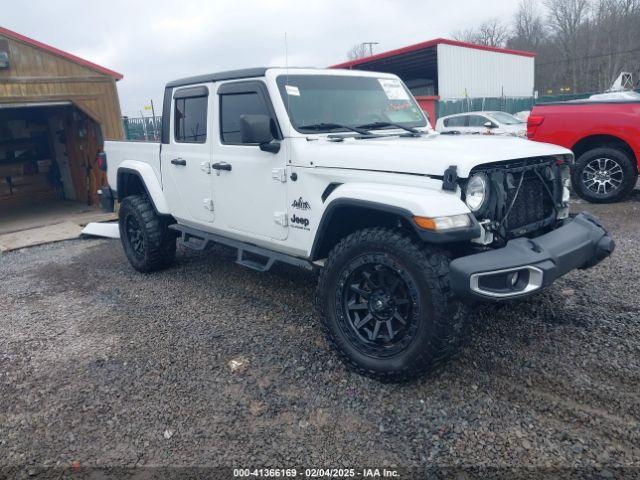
(49, 98)
(75, 79)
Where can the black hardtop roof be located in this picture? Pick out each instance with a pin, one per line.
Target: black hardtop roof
(216, 77)
(226, 75)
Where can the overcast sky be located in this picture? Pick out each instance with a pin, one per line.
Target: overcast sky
(156, 41)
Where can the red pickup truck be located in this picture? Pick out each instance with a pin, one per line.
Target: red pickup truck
(604, 137)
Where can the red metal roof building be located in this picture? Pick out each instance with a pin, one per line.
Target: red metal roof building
(48, 48)
(447, 73)
(37, 72)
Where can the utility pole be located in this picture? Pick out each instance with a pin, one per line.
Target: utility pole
(370, 44)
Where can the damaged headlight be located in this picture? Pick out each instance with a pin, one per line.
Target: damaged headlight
(477, 192)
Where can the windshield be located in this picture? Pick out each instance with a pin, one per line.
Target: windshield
(331, 103)
(506, 118)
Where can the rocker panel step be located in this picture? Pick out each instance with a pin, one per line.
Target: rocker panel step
(199, 240)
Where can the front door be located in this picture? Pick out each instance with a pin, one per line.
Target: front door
(476, 124)
(249, 184)
(186, 176)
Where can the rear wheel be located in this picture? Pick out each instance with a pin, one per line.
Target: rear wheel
(146, 238)
(604, 175)
(386, 305)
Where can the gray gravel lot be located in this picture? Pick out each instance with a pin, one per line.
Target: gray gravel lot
(99, 364)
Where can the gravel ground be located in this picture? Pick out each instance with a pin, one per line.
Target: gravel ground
(107, 367)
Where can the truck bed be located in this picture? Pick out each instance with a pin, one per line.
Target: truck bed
(119, 152)
(566, 123)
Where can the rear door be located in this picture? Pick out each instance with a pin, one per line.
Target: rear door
(185, 160)
(250, 188)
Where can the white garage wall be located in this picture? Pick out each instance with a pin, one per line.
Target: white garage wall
(480, 73)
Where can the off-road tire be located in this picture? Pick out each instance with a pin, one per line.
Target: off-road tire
(617, 155)
(158, 242)
(442, 318)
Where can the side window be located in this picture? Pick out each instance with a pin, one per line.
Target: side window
(232, 106)
(190, 120)
(477, 120)
(455, 121)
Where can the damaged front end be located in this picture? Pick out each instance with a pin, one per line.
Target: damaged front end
(522, 207)
(522, 197)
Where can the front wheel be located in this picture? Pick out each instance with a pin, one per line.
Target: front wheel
(604, 175)
(386, 305)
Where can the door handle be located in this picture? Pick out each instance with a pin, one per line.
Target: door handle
(221, 166)
(179, 161)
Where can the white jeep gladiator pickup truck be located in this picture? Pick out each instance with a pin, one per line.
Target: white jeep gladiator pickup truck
(339, 171)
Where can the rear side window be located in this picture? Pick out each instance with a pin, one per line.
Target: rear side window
(232, 106)
(190, 119)
(455, 121)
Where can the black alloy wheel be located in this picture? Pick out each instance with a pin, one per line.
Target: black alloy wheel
(146, 238)
(134, 233)
(386, 305)
(380, 303)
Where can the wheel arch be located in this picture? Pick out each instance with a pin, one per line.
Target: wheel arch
(129, 183)
(344, 216)
(136, 181)
(603, 140)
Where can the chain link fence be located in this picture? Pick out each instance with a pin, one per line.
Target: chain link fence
(142, 129)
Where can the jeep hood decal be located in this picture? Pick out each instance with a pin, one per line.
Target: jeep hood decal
(426, 155)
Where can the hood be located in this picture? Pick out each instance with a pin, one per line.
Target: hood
(427, 155)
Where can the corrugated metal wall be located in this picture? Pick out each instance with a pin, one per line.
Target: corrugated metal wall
(465, 72)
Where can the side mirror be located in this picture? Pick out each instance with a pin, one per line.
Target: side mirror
(257, 129)
(490, 125)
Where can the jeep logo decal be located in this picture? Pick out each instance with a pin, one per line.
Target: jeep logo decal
(299, 222)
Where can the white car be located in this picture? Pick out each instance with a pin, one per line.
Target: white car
(497, 123)
(337, 171)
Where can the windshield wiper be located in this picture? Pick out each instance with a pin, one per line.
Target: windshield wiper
(390, 124)
(333, 126)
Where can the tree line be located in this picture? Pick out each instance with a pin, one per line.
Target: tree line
(581, 45)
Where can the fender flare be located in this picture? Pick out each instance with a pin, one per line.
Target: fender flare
(342, 197)
(331, 209)
(149, 181)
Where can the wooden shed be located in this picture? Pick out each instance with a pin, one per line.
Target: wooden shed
(56, 110)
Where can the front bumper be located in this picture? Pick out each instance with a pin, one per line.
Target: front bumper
(526, 265)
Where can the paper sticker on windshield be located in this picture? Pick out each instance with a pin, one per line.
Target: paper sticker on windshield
(393, 89)
(292, 90)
